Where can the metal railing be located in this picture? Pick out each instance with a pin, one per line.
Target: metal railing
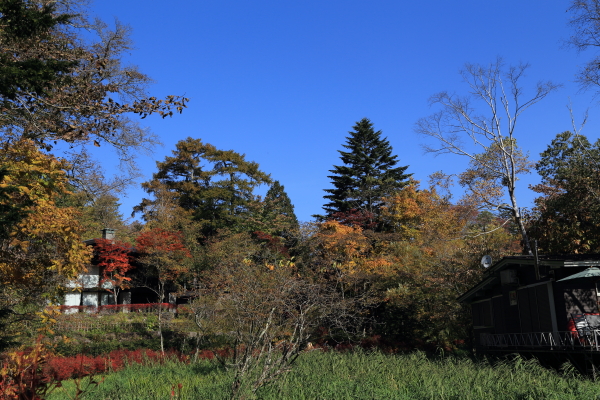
(588, 340)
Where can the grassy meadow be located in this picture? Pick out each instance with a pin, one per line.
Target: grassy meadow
(351, 375)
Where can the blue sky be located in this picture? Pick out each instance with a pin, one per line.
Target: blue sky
(284, 81)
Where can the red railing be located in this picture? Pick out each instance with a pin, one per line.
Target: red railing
(114, 308)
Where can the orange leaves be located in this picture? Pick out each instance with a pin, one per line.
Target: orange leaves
(159, 240)
(42, 247)
(378, 265)
(341, 241)
(423, 217)
(348, 249)
(113, 258)
(164, 250)
(415, 268)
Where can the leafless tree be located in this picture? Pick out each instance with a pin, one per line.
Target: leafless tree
(268, 314)
(585, 22)
(487, 117)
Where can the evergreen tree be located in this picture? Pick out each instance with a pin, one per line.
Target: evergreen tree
(368, 173)
(24, 22)
(566, 217)
(216, 186)
(279, 210)
(277, 203)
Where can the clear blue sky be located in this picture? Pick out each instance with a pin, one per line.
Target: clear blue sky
(284, 81)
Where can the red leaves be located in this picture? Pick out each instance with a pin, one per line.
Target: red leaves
(164, 251)
(114, 259)
(160, 240)
(361, 218)
(62, 368)
(272, 242)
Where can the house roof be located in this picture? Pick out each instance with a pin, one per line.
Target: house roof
(492, 274)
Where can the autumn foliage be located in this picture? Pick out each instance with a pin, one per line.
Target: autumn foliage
(164, 250)
(114, 259)
(42, 248)
(33, 373)
(425, 254)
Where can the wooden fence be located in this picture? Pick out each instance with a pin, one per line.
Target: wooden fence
(86, 325)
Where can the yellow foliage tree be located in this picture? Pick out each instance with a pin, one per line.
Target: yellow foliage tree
(427, 256)
(40, 244)
(437, 250)
(354, 252)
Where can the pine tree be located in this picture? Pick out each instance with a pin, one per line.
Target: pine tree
(216, 186)
(277, 203)
(368, 173)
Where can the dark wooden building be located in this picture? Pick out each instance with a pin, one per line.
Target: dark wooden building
(521, 305)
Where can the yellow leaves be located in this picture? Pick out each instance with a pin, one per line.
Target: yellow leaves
(341, 241)
(347, 249)
(44, 247)
(16, 243)
(378, 265)
(422, 217)
(36, 176)
(48, 318)
(281, 264)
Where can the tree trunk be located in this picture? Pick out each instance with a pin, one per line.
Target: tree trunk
(161, 296)
(519, 221)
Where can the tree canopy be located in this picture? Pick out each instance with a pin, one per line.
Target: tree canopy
(585, 17)
(25, 23)
(566, 215)
(57, 86)
(41, 248)
(215, 186)
(487, 117)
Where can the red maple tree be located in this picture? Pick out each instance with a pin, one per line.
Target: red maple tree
(114, 260)
(164, 254)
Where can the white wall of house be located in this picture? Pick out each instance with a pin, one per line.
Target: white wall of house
(89, 299)
(72, 299)
(91, 278)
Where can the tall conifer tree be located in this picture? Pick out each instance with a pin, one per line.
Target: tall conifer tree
(368, 174)
(278, 203)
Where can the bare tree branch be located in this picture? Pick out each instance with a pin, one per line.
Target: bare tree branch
(488, 118)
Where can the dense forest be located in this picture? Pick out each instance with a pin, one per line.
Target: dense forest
(386, 258)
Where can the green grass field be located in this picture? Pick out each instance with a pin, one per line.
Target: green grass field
(353, 375)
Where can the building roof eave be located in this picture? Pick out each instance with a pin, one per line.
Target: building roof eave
(554, 262)
(475, 289)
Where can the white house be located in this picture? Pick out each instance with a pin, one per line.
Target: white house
(86, 289)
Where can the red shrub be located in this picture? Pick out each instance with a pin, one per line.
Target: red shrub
(206, 354)
(62, 368)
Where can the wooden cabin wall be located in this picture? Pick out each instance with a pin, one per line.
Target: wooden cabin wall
(535, 313)
(498, 312)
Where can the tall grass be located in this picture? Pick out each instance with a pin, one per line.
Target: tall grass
(355, 375)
